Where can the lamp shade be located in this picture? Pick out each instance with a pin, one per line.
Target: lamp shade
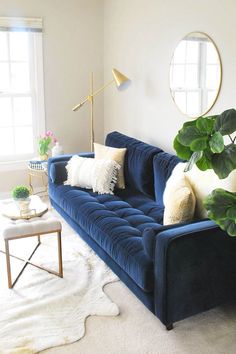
(122, 82)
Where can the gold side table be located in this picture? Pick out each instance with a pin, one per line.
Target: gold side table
(42, 176)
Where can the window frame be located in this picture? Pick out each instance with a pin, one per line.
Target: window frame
(36, 92)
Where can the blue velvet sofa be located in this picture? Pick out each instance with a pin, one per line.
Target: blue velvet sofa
(177, 270)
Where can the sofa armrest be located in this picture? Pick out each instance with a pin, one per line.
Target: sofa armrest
(57, 167)
(149, 236)
(194, 270)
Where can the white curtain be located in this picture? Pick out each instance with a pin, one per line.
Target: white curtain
(25, 24)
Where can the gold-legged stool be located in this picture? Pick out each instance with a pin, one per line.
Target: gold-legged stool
(30, 228)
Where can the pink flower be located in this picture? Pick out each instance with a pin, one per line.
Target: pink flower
(45, 141)
(49, 133)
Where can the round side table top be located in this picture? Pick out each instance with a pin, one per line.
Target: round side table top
(10, 209)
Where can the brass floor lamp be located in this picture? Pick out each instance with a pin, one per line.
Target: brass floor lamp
(121, 82)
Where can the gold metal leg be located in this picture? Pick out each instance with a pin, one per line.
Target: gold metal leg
(30, 184)
(59, 254)
(91, 114)
(42, 176)
(8, 264)
(28, 261)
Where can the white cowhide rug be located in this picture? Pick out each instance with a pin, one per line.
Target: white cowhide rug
(43, 310)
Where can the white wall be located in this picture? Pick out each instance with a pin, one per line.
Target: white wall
(73, 46)
(140, 37)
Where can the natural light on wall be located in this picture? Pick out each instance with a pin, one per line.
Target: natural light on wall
(21, 87)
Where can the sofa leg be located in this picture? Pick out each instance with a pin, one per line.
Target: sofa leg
(169, 326)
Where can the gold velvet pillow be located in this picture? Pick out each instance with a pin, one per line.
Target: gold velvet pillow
(179, 201)
(115, 154)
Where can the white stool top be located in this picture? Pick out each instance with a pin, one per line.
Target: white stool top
(38, 225)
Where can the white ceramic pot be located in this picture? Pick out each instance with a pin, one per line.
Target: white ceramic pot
(57, 150)
(23, 204)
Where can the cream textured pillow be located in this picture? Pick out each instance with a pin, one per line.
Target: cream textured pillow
(118, 155)
(99, 175)
(179, 199)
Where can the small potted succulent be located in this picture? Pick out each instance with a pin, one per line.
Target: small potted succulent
(21, 195)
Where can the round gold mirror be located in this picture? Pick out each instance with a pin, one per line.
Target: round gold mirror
(195, 74)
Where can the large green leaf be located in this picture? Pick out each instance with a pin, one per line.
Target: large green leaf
(216, 143)
(221, 207)
(204, 163)
(213, 117)
(189, 134)
(229, 226)
(219, 202)
(225, 162)
(205, 125)
(199, 144)
(183, 152)
(189, 123)
(226, 122)
(231, 212)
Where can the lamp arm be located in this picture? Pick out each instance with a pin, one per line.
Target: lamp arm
(80, 105)
(91, 96)
(102, 88)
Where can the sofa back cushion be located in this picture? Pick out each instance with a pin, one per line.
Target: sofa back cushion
(138, 166)
(163, 165)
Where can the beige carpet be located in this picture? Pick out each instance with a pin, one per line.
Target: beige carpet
(137, 331)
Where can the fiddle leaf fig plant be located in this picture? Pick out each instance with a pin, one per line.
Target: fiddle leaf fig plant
(201, 142)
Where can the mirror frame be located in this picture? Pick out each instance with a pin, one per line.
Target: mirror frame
(220, 79)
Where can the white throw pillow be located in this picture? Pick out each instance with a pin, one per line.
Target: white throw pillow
(178, 198)
(79, 172)
(105, 175)
(89, 173)
(111, 153)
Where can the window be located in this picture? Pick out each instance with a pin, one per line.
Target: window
(21, 88)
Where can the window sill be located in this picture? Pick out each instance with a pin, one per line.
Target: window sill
(13, 165)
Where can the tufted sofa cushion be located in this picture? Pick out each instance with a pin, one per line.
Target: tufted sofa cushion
(138, 166)
(142, 202)
(115, 224)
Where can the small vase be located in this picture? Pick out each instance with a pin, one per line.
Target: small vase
(57, 150)
(23, 204)
(44, 157)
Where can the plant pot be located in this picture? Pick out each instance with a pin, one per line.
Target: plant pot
(23, 204)
(44, 157)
